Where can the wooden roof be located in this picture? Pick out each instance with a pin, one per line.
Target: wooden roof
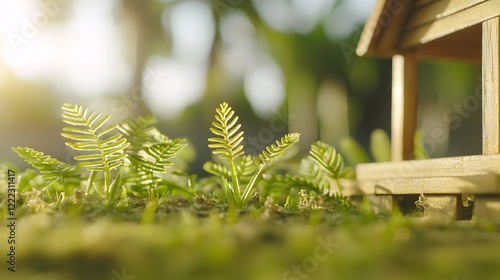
(433, 28)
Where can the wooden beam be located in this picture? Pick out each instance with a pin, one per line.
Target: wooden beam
(444, 26)
(464, 45)
(382, 29)
(491, 86)
(437, 10)
(419, 3)
(437, 167)
(404, 105)
(369, 36)
(393, 28)
(485, 184)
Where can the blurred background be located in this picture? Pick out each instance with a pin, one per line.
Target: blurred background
(283, 65)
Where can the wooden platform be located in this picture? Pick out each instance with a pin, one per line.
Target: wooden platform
(444, 182)
(468, 174)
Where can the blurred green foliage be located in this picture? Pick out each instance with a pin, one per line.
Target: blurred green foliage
(309, 58)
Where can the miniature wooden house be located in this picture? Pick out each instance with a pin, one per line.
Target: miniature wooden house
(410, 30)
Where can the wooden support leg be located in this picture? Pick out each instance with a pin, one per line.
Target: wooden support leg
(381, 203)
(486, 209)
(491, 86)
(442, 207)
(404, 105)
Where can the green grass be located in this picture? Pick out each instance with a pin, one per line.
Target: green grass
(200, 238)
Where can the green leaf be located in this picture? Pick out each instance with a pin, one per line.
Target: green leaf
(380, 146)
(51, 168)
(140, 132)
(278, 149)
(353, 152)
(419, 150)
(115, 185)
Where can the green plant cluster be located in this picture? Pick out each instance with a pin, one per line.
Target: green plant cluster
(132, 159)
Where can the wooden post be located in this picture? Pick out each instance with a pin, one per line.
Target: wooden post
(404, 105)
(491, 86)
(487, 208)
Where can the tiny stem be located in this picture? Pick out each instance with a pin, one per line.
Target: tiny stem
(153, 186)
(338, 186)
(252, 182)
(90, 181)
(227, 189)
(235, 183)
(107, 179)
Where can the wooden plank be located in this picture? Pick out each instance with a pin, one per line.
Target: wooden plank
(456, 52)
(437, 10)
(427, 168)
(450, 24)
(394, 24)
(384, 23)
(404, 105)
(368, 38)
(464, 45)
(437, 185)
(419, 3)
(491, 86)
(486, 209)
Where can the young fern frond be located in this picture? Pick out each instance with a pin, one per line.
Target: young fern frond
(104, 150)
(270, 152)
(227, 143)
(50, 168)
(149, 153)
(217, 169)
(139, 132)
(245, 167)
(313, 173)
(291, 181)
(159, 155)
(329, 161)
(328, 158)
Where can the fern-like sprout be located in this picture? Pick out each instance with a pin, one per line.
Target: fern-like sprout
(157, 161)
(329, 161)
(149, 152)
(227, 145)
(245, 168)
(50, 168)
(139, 132)
(103, 146)
(270, 152)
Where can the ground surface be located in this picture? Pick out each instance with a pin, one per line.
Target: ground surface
(198, 240)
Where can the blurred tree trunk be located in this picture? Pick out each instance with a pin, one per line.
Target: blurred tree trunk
(137, 15)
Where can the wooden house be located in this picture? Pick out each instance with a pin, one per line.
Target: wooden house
(408, 31)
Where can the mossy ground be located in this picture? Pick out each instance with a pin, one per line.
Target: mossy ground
(200, 238)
